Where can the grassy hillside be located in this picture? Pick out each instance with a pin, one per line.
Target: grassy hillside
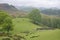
(24, 24)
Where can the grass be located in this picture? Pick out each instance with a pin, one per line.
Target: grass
(48, 35)
(24, 24)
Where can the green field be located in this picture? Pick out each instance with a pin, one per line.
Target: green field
(24, 24)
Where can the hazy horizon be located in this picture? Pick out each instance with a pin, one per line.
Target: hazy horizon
(33, 3)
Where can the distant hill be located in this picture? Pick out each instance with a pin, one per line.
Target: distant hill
(24, 8)
(11, 9)
(8, 8)
(51, 11)
(48, 11)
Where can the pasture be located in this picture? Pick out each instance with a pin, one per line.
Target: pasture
(26, 29)
(22, 25)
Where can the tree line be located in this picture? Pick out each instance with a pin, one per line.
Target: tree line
(38, 18)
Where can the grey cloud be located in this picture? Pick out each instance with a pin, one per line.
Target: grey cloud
(35, 3)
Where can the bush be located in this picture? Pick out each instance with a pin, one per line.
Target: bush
(5, 22)
(6, 38)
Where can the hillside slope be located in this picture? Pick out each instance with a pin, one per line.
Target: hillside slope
(24, 24)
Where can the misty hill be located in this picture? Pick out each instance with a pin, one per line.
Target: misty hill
(51, 11)
(24, 8)
(12, 10)
(8, 8)
(48, 11)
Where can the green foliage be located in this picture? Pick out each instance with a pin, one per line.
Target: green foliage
(35, 16)
(7, 38)
(5, 21)
(24, 24)
(51, 21)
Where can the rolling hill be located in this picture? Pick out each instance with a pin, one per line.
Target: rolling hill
(12, 10)
(22, 25)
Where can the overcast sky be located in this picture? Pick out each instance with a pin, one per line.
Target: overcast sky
(33, 3)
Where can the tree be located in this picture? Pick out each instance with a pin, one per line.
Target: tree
(35, 16)
(5, 21)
